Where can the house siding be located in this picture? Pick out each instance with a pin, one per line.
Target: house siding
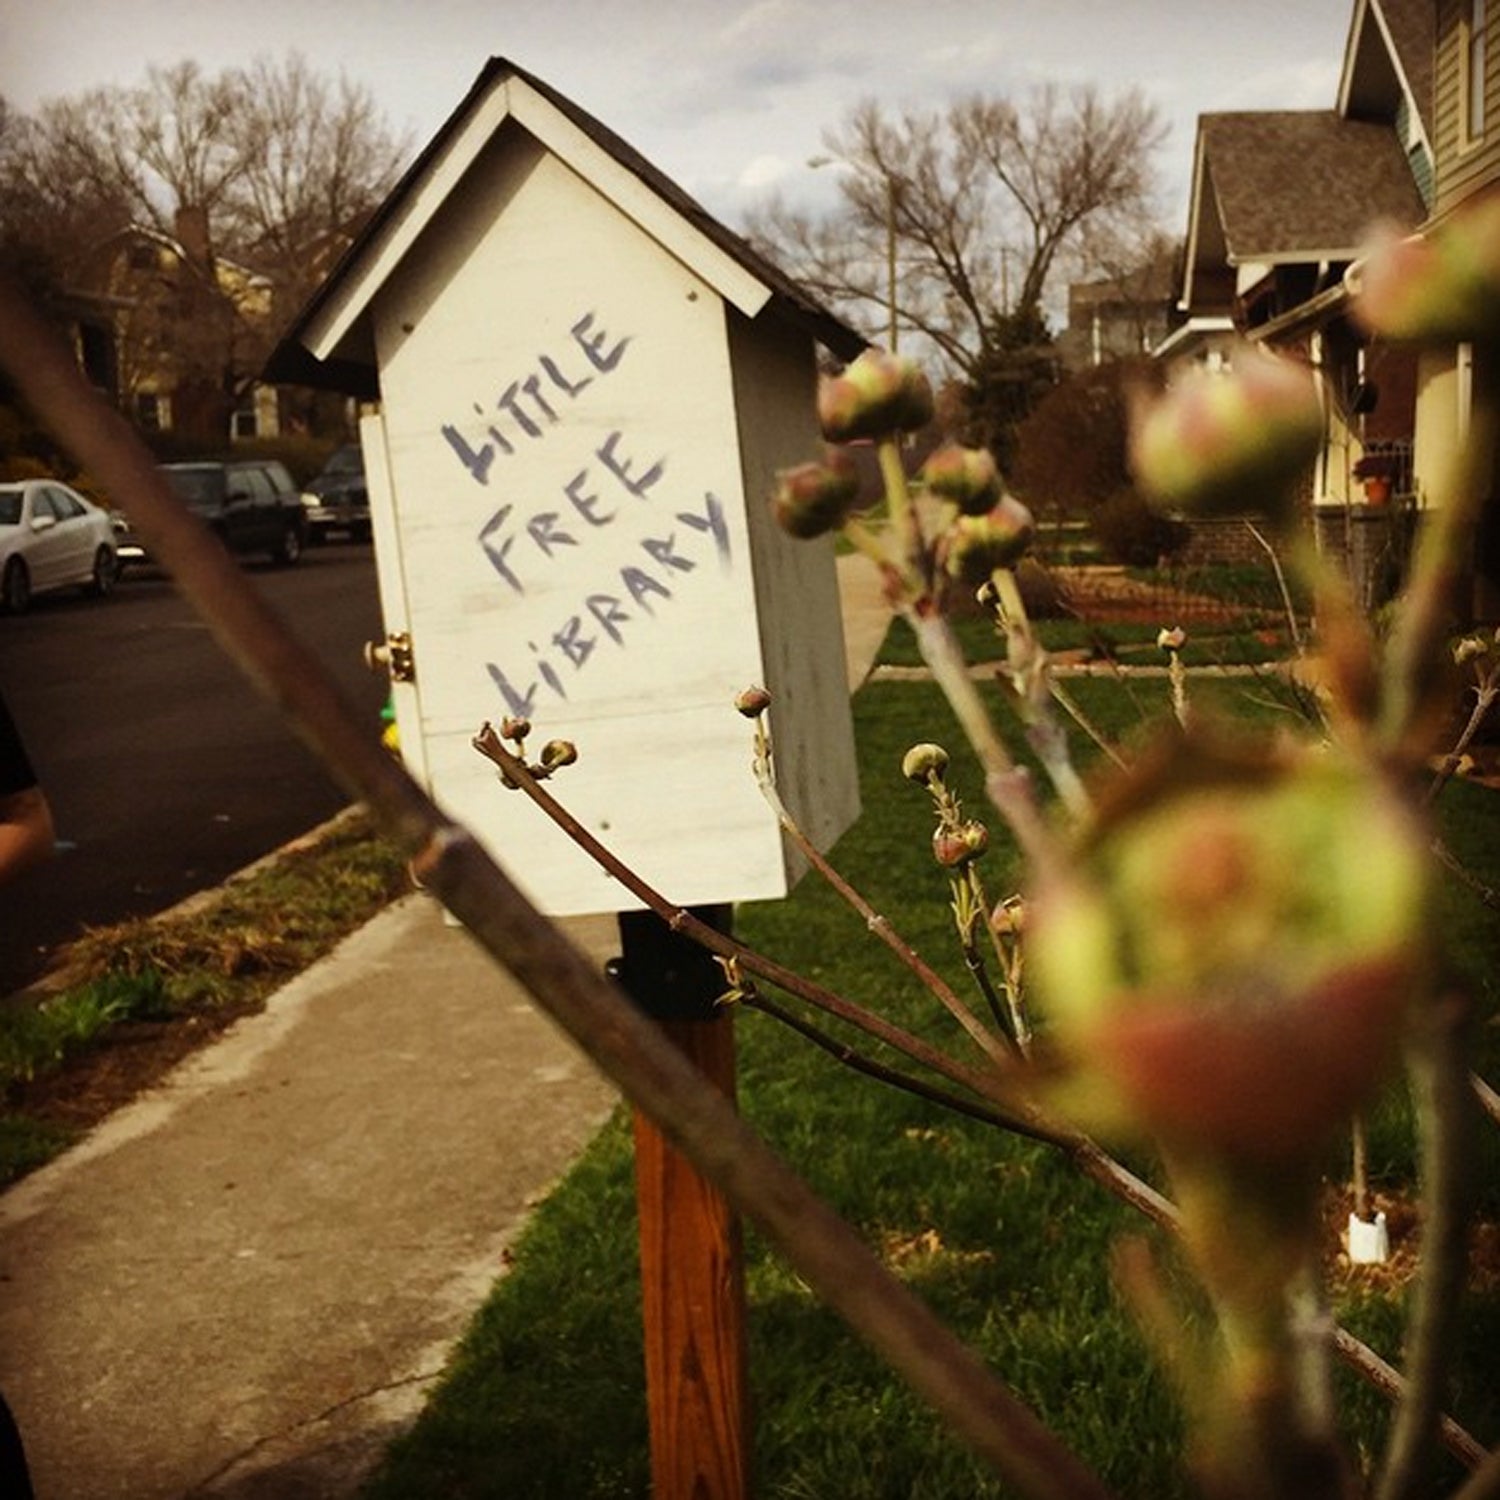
(1417, 154)
(1463, 166)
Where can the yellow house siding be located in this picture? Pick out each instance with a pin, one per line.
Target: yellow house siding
(1464, 164)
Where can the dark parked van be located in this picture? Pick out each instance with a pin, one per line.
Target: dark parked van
(252, 506)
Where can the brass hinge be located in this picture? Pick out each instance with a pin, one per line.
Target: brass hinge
(392, 655)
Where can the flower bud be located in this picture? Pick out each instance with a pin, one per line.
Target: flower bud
(558, 753)
(1438, 287)
(1228, 967)
(1009, 917)
(1172, 640)
(922, 762)
(515, 729)
(816, 496)
(877, 395)
(1225, 442)
(974, 546)
(954, 847)
(752, 702)
(1469, 649)
(969, 477)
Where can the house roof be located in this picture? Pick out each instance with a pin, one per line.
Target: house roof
(1391, 48)
(327, 344)
(1303, 184)
(1288, 186)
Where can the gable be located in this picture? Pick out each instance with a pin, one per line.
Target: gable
(330, 342)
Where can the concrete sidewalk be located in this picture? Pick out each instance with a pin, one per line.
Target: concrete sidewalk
(244, 1283)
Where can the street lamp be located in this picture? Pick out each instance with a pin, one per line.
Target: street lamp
(890, 236)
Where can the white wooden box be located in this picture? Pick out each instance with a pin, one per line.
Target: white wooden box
(583, 400)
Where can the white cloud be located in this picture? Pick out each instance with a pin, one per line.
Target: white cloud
(763, 172)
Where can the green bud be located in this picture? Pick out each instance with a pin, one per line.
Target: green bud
(1229, 966)
(558, 753)
(1441, 287)
(969, 477)
(877, 395)
(974, 546)
(815, 497)
(922, 762)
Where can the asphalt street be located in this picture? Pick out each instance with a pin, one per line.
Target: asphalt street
(165, 769)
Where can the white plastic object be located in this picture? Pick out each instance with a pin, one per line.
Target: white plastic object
(1369, 1243)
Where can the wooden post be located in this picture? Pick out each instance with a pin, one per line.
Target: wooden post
(692, 1265)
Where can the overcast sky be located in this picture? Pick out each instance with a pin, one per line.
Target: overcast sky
(728, 97)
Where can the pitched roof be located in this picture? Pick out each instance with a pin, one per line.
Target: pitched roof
(1413, 28)
(295, 362)
(1301, 184)
(1389, 60)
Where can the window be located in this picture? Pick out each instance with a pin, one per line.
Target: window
(245, 424)
(1474, 71)
(64, 506)
(148, 413)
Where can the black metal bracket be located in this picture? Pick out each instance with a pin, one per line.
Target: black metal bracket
(669, 976)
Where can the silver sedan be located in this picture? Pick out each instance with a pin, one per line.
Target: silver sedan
(52, 538)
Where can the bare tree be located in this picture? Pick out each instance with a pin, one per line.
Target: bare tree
(982, 204)
(249, 182)
(314, 158)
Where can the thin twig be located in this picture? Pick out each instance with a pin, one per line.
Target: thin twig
(1486, 893)
(1286, 596)
(851, 1057)
(1484, 699)
(1484, 1483)
(1090, 1159)
(1489, 1100)
(1004, 1086)
(1385, 1378)
(877, 923)
(1436, 572)
(1070, 705)
(1445, 1106)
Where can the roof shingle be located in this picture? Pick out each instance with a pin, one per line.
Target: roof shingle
(1305, 184)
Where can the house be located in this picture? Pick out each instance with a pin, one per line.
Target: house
(1453, 383)
(1124, 315)
(1281, 204)
(585, 387)
(173, 333)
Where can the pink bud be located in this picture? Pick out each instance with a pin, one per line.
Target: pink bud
(877, 395)
(752, 702)
(974, 546)
(1438, 287)
(1228, 968)
(1226, 442)
(969, 477)
(816, 496)
(954, 847)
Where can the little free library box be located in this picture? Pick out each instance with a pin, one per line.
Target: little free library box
(581, 387)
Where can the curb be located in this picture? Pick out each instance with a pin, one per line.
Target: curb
(65, 971)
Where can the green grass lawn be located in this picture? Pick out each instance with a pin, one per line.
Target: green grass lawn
(1009, 1246)
(1127, 642)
